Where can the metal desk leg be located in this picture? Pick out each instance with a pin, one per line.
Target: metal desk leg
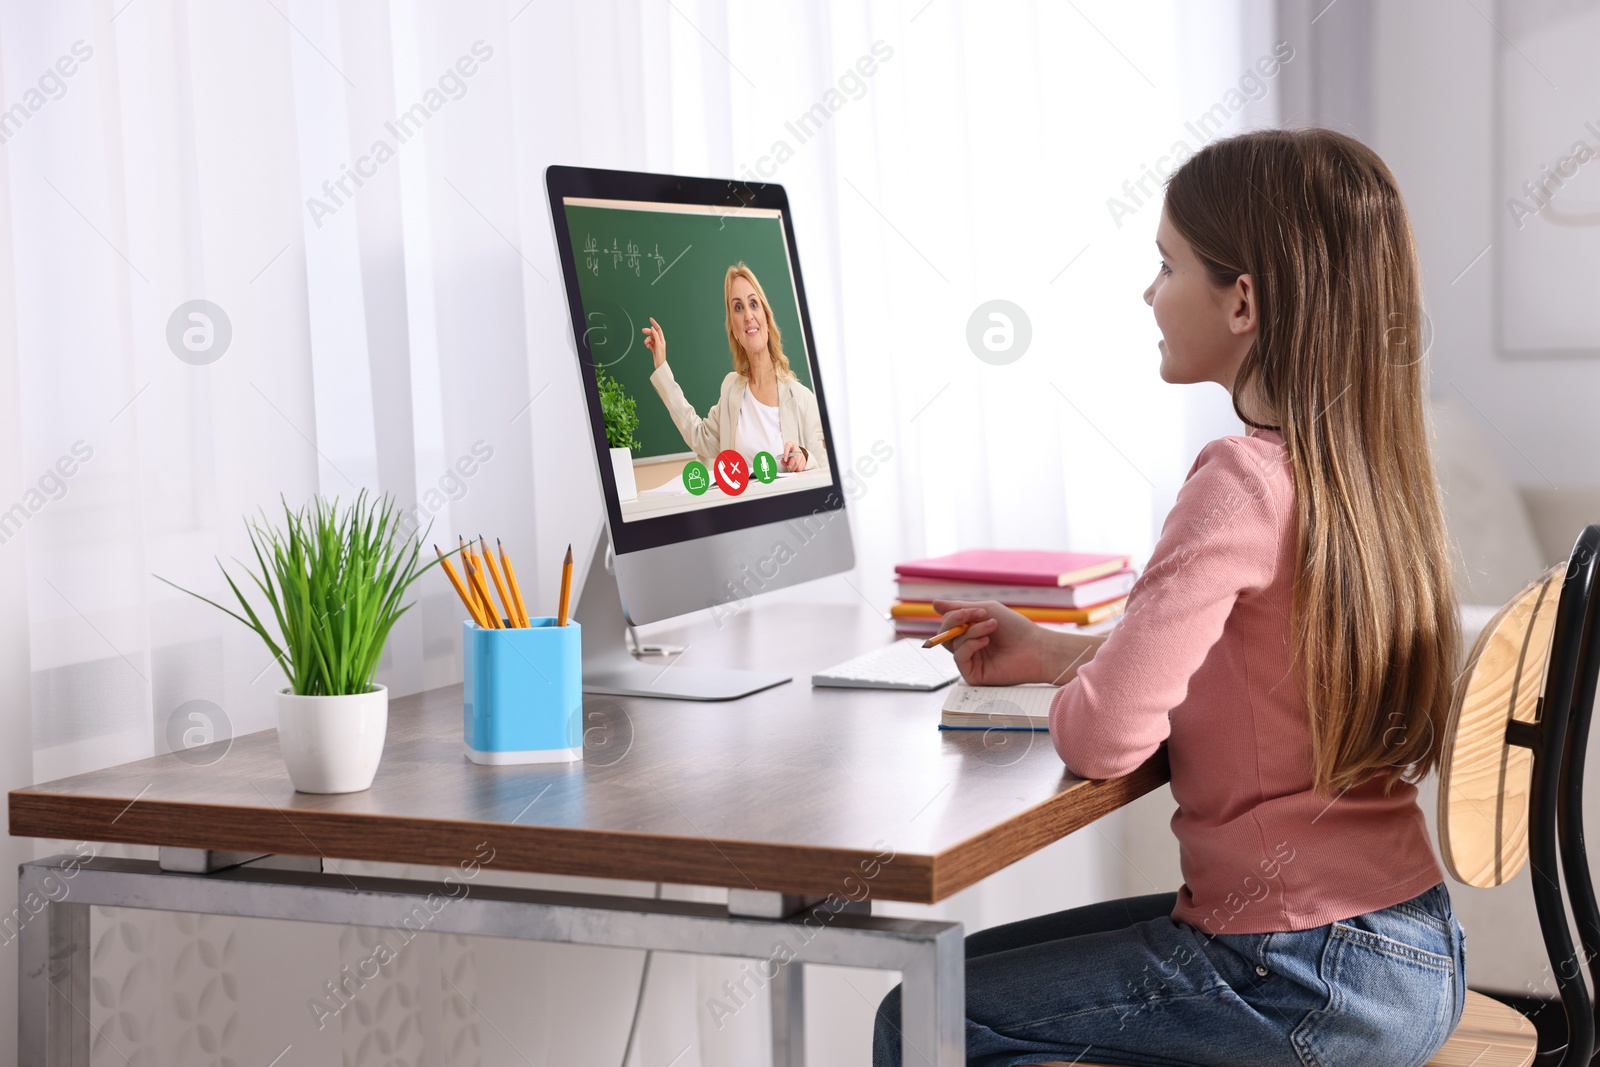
(787, 988)
(54, 958)
(52, 972)
(933, 1003)
(788, 1016)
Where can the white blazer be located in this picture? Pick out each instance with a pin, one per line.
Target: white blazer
(798, 418)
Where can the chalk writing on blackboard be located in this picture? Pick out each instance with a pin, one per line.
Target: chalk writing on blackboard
(623, 256)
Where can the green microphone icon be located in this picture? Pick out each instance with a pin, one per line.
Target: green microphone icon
(766, 467)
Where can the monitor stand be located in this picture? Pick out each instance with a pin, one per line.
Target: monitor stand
(609, 669)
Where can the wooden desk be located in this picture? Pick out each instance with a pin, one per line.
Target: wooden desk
(784, 797)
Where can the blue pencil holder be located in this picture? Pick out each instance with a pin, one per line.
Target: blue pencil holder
(522, 701)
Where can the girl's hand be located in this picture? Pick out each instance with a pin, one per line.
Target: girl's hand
(1000, 647)
(793, 459)
(656, 342)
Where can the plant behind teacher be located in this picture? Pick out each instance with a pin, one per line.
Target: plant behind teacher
(762, 406)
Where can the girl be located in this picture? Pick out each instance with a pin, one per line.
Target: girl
(1293, 639)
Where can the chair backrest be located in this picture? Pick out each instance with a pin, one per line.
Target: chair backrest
(1484, 780)
(1511, 771)
(1574, 853)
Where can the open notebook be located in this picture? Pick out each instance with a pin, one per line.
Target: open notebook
(997, 707)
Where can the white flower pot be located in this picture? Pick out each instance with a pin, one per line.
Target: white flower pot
(622, 468)
(332, 744)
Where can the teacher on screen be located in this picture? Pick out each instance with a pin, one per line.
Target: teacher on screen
(763, 407)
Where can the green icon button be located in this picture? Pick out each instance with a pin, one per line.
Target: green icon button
(696, 478)
(765, 466)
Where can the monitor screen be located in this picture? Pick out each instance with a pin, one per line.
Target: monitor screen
(695, 350)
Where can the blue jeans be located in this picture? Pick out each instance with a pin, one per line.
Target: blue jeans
(1121, 982)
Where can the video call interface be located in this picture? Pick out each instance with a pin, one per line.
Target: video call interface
(709, 292)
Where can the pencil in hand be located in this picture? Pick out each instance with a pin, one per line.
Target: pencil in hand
(566, 589)
(947, 635)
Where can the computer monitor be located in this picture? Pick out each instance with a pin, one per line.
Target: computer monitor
(707, 412)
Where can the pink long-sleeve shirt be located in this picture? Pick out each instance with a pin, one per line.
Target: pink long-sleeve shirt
(1201, 660)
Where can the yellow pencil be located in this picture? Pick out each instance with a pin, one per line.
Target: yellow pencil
(499, 585)
(480, 586)
(495, 622)
(466, 574)
(946, 635)
(566, 589)
(511, 580)
(461, 590)
(475, 576)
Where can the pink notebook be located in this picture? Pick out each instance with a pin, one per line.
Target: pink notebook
(1015, 566)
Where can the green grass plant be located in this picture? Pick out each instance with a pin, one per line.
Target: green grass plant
(334, 580)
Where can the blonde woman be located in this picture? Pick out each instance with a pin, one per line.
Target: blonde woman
(762, 406)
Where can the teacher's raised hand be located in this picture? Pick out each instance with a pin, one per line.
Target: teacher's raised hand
(655, 341)
(1000, 647)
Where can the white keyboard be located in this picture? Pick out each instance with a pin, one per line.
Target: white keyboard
(902, 665)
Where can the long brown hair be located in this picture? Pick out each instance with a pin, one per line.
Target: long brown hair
(741, 361)
(1316, 219)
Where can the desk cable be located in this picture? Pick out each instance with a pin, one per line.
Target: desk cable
(638, 1003)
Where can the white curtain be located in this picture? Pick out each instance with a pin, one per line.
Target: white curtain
(395, 321)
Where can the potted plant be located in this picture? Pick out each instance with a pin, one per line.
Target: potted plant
(334, 581)
(622, 422)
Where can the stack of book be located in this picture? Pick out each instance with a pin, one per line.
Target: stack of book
(1068, 588)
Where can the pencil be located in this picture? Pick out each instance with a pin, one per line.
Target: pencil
(495, 621)
(948, 635)
(500, 586)
(480, 585)
(511, 580)
(566, 589)
(475, 576)
(472, 587)
(461, 590)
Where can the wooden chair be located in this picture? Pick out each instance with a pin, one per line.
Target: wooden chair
(1511, 792)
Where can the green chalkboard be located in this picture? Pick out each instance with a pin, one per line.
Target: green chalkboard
(635, 264)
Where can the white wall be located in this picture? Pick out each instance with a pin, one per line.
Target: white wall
(1434, 125)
